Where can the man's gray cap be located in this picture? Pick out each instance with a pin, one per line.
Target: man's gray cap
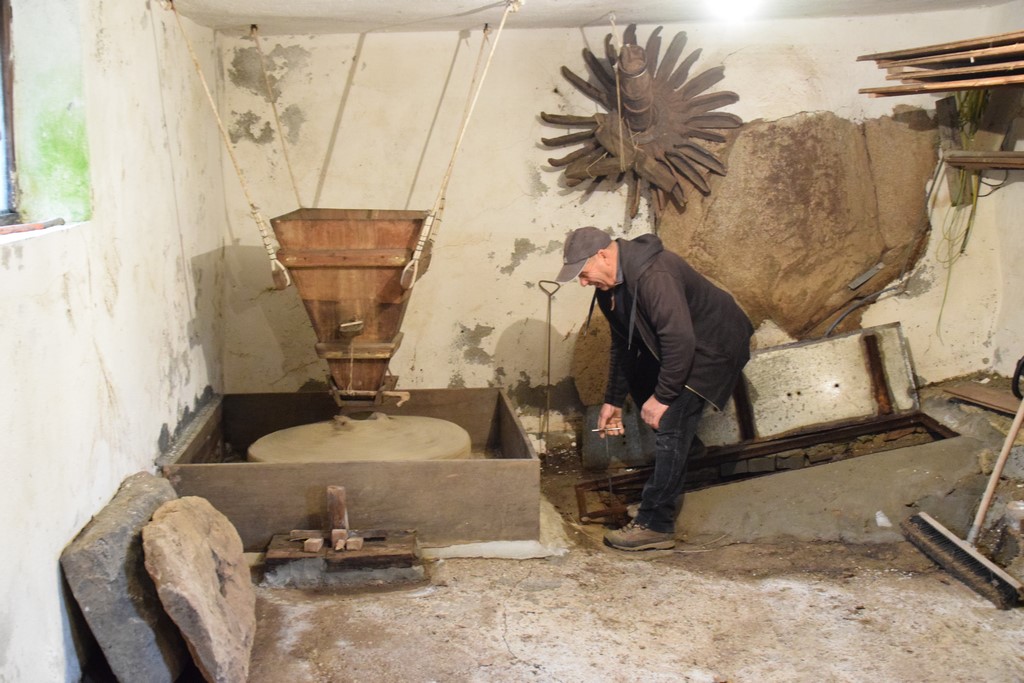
(580, 245)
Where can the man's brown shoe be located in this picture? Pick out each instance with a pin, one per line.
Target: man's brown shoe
(635, 536)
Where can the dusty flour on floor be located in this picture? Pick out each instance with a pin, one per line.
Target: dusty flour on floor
(790, 612)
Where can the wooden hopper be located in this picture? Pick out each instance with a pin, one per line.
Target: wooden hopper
(347, 265)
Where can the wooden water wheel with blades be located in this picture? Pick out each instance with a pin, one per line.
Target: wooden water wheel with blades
(657, 123)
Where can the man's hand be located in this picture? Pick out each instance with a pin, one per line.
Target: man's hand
(609, 421)
(652, 411)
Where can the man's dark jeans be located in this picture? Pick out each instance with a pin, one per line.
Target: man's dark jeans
(673, 440)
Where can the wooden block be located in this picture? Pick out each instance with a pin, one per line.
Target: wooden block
(303, 534)
(354, 543)
(399, 550)
(313, 545)
(338, 535)
(337, 510)
(282, 550)
(990, 397)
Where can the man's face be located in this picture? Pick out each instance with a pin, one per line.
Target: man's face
(599, 271)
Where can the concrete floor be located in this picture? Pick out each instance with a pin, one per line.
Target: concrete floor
(740, 612)
(791, 577)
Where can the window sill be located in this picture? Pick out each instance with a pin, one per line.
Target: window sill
(25, 231)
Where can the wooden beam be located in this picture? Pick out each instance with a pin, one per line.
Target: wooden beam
(985, 160)
(901, 74)
(989, 397)
(337, 510)
(941, 48)
(993, 54)
(949, 141)
(344, 258)
(923, 88)
(358, 350)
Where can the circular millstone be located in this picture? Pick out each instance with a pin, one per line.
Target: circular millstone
(378, 437)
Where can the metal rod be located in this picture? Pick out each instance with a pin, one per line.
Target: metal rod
(549, 287)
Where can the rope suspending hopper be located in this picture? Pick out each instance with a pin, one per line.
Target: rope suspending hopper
(355, 268)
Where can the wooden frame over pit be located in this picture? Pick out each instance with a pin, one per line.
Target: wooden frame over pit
(494, 496)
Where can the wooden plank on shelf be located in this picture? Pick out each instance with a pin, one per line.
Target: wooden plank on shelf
(902, 74)
(983, 160)
(941, 48)
(989, 397)
(945, 86)
(1000, 53)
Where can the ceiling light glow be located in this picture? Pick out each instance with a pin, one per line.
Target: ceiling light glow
(732, 10)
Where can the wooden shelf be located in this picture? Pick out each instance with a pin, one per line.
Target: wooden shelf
(980, 70)
(983, 160)
(945, 48)
(994, 62)
(989, 62)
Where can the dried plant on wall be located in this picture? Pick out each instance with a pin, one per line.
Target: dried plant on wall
(657, 124)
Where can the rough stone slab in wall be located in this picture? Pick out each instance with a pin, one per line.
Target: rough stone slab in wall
(811, 203)
(104, 568)
(195, 557)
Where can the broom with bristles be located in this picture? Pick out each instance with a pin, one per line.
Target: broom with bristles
(961, 558)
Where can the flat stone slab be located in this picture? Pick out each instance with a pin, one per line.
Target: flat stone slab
(860, 500)
(104, 568)
(194, 555)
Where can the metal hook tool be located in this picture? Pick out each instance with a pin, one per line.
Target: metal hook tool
(549, 287)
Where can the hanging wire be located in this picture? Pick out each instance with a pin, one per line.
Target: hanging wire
(994, 186)
(618, 94)
(277, 270)
(411, 270)
(254, 32)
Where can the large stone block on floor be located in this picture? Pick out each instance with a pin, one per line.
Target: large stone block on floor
(104, 568)
(195, 557)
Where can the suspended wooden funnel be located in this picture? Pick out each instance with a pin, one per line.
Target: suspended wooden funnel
(347, 265)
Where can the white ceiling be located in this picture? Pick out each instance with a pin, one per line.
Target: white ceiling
(362, 16)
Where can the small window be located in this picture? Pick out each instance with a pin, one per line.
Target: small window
(8, 212)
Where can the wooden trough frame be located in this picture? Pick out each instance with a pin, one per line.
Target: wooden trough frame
(493, 496)
(855, 385)
(627, 486)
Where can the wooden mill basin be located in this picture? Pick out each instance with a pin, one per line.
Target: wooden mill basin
(347, 265)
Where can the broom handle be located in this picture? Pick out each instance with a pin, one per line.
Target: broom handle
(997, 471)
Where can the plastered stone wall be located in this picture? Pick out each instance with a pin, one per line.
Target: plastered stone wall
(371, 124)
(111, 325)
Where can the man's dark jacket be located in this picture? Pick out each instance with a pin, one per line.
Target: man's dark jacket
(671, 329)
